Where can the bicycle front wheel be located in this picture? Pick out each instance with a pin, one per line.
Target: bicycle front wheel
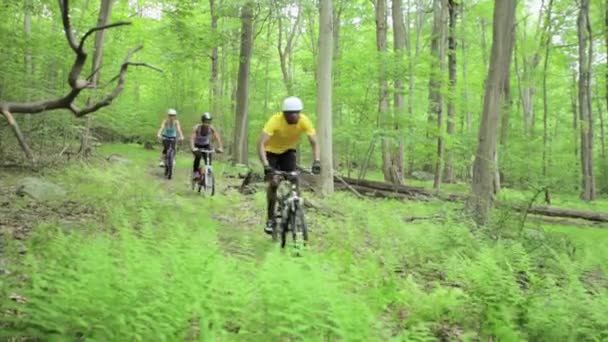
(210, 183)
(169, 164)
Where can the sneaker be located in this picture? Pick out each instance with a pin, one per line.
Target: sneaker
(269, 227)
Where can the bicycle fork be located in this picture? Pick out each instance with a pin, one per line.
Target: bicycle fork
(293, 204)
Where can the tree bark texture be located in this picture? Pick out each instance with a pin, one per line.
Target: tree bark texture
(500, 59)
(324, 97)
(584, 100)
(242, 91)
(449, 164)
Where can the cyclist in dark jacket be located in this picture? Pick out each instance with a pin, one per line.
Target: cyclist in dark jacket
(201, 138)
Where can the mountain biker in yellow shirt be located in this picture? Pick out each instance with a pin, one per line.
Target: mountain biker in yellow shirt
(276, 148)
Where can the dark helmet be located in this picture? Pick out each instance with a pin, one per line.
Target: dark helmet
(206, 117)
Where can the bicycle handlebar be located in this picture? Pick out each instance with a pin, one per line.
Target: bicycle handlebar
(205, 151)
(297, 172)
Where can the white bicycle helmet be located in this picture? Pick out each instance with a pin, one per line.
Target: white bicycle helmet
(172, 112)
(292, 104)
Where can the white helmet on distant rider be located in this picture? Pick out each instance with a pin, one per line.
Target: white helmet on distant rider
(172, 112)
(292, 104)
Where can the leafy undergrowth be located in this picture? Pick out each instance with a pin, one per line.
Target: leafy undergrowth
(170, 265)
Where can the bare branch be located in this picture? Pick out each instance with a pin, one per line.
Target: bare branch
(15, 127)
(107, 100)
(95, 29)
(90, 77)
(146, 65)
(76, 83)
(67, 27)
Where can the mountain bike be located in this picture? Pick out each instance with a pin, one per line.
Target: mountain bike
(170, 156)
(289, 210)
(205, 180)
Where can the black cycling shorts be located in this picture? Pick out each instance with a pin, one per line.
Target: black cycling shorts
(285, 161)
(168, 141)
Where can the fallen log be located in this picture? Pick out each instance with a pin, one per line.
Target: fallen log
(412, 191)
(569, 213)
(386, 190)
(404, 192)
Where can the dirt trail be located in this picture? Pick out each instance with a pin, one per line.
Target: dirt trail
(240, 230)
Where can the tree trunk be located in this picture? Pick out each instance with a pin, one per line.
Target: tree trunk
(27, 26)
(440, 10)
(604, 166)
(324, 97)
(412, 62)
(336, 21)
(398, 145)
(547, 43)
(483, 169)
(105, 11)
(449, 165)
(467, 111)
(242, 91)
(584, 99)
(286, 53)
(214, 87)
(383, 101)
(575, 126)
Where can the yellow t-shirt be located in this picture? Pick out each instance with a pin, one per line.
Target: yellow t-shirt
(284, 136)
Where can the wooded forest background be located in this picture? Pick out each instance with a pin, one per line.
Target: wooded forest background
(408, 81)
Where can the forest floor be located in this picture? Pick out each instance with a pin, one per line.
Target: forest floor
(130, 255)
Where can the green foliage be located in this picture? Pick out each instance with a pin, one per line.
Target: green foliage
(158, 264)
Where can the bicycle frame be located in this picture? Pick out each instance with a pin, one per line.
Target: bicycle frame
(205, 179)
(170, 155)
(290, 210)
(208, 164)
(293, 199)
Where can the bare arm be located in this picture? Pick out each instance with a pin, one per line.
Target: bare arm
(160, 130)
(264, 139)
(192, 137)
(179, 130)
(218, 139)
(315, 147)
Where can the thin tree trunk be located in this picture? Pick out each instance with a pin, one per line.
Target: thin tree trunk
(443, 14)
(467, 111)
(575, 126)
(336, 104)
(483, 169)
(242, 91)
(435, 98)
(449, 165)
(27, 26)
(105, 11)
(214, 87)
(604, 172)
(324, 97)
(547, 42)
(286, 53)
(584, 99)
(398, 146)
(337, 15)
(383, 101)
(412, 60)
